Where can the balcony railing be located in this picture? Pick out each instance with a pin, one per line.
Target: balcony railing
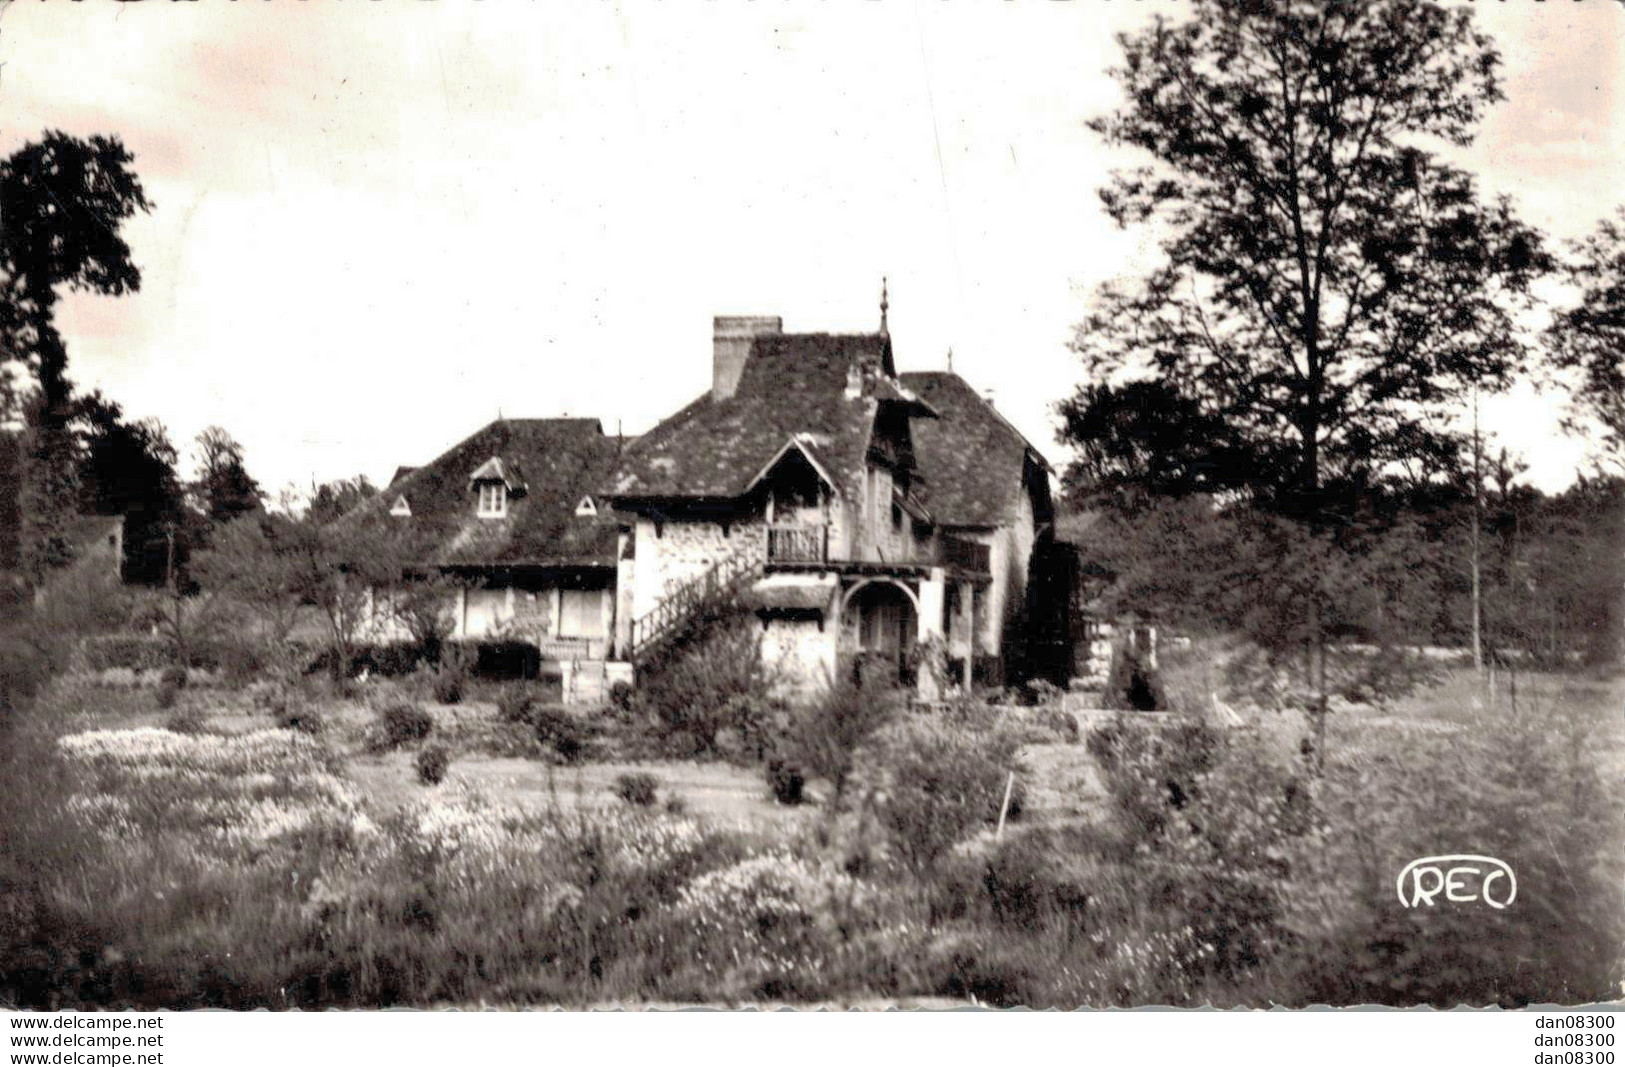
(971, 556)
(801, 544)
(798, 544)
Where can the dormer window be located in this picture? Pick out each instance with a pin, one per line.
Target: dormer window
(401, 509)
(493, 500)
(586, 508)
(494, 483)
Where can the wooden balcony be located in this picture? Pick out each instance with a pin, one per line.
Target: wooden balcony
(802, 547)
(797, 544)
(972, 557)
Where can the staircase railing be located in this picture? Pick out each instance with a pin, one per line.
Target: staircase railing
(717, 585)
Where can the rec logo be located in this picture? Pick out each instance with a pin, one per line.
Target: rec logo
(1462, 880)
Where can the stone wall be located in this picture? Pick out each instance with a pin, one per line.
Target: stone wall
(799, 654)
(672, 553)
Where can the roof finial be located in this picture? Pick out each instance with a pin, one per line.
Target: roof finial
(884, 304)
(950, 359)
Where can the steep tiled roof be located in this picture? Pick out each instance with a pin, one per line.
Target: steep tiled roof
(791, 384)
(558, 461)
(971, 459)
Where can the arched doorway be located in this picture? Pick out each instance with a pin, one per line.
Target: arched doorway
(882, 626)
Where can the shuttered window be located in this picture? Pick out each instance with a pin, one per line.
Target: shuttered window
(581, 613)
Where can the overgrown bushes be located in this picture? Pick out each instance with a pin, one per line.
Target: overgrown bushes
(940, 783)
(821, 737)
(432, 763)
(639, 789)
(402, 724)
(709, 694)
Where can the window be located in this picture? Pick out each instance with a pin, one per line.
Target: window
(401, 509)
(581, 613)
(493, 500)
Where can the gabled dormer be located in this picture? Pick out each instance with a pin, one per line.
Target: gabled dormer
(401, 509)
(492, 484)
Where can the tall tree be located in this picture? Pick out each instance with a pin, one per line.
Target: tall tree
(1330, 290)
(332, 499)
(1588, 338)
(63, 201)
(128, 468)
(224, 487)
(1145, 439)
(1327, 282)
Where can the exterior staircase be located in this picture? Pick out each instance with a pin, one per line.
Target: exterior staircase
(693, 602)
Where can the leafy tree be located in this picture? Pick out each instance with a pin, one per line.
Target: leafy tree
(128, 468)
(63, 201)
(224, 487)
(1589, 337)
(358, 577)
(251, 564)
(332, 499)
(1145, 437)
(1329, 290)
(1326, 282)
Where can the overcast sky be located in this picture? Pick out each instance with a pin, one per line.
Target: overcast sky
(377, 225)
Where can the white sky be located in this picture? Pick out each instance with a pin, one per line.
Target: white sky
(377, 225)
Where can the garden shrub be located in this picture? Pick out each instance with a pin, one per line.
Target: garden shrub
(175, 676)
(509, 659)
(1062, 723)
(823, 736)
(432, 763)
(139, 652)
(26, 664)
(940, 783)
(620, 696)
(167, 693)
(403, 723)
(395, 659)
(774, 925)
(639, 789)
(448, 684)
(1208, 820)
(564, 733)
(517, 704)
(786, 781)
(708, 682)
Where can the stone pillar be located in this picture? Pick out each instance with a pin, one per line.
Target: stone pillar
(933, 597)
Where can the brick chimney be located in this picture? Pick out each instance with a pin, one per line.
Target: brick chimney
(731, 337)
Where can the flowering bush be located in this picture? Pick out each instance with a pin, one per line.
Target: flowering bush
(432, 763)
(772, 924)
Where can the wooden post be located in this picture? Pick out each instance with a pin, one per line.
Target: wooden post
(1004, 809)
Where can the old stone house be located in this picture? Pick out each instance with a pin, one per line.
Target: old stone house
(868, 520)
(511, 511)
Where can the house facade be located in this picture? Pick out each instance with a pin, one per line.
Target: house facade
(869, 521)
(873, 522)
(511, 512)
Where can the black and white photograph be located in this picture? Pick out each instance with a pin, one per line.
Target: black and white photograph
(907, 504)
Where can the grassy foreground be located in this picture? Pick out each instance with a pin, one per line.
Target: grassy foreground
(1160, 859)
